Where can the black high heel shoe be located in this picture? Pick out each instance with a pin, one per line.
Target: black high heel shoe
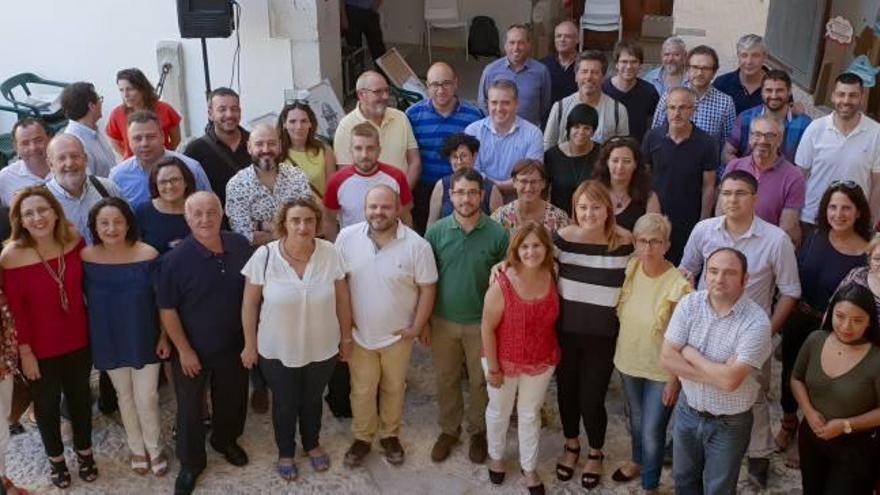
(496, 477)
(563, 472)
(536, 489)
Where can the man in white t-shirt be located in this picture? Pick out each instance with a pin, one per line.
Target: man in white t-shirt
(392, 279)
(844, 145)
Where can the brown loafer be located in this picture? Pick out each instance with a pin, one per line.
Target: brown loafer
(443, 447)
(355, 455)
(478, 450)
(392, 450)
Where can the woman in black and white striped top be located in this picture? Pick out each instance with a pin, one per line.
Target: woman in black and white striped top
(592, 253)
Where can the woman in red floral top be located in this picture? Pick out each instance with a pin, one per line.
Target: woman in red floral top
(520, 348)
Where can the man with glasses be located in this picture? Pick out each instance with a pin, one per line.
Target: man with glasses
(398, 143)
(434, 119)
(682, 159)
(782, 186)
(82, 107)
(562, 63)
(844, 145)
(466, 245)
(715, 112)
(638, 96)
(772, 272)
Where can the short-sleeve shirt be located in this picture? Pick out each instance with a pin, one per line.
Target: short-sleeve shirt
(463, 262)
(431, 129)
(499, 152)
(15, 177)
(566, 173)
(219, 161)
(348, 188)
(134, 180)
(829, 155)
(613, 120)
(743, 333)
(395, 138)
(780, 187)
(298, 323)
(206, 289)
(508, 216)
(657, 78)
(731, 85)
(251, 206)
(771, 260)
(794, 126)
(99, 154)
(117, 125)
(715, 114)
(163, 231)
(384, 283)
(821, 267)
(640, 102)
(77, 209)
(533, 85)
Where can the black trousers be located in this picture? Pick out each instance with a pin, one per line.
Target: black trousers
(364, 22)
(421, 205)
(296, 398)
(67, 374)
(797, 328)
(228, 381)
(582, 377)
(846, 464)
(339, 391)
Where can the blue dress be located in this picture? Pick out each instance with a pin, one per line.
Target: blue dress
(123, 316)
(160, 230)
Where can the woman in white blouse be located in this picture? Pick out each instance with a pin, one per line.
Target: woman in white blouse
(296, 315)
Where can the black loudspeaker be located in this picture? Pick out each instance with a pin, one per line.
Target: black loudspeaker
(205, 18)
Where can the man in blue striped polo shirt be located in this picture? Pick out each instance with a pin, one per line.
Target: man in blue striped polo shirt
(433, 120)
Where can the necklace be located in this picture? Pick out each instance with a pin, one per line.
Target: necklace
(294, 258)
(58, 276)
(620, 200)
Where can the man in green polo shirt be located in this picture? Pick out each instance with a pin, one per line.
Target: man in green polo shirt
(466, 245)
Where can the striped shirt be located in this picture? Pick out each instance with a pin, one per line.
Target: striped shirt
(590, 278)
(432, 128)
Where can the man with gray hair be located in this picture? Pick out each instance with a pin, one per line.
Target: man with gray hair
(743, 85)
(531, 77)
(671, 72)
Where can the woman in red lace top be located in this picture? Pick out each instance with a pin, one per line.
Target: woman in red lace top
(520, 348)
(42, 278)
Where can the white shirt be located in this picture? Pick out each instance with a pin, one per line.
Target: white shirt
(829, 155)
(384, 283)
(15, 177)
(100, 155)
(298, 323)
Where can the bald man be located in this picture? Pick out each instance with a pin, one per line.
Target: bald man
(562, 63)
(433, 120)
(199, 296)
(399, 146)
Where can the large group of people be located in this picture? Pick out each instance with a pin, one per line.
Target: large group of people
(567, 225)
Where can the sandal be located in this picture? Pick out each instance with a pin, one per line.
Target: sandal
(140, 464)
(288, 472)
(88, 470)
(320, 463)
(159, 465)
(58, 474)
(563, 472)
(787, 432)
(591, 480)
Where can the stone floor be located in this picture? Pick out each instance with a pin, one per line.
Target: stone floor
(28, 467)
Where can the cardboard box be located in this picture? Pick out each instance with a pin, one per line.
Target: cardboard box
(653, 49)
(657, 26)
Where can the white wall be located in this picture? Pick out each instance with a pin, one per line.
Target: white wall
(91, 39)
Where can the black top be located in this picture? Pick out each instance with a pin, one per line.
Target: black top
(206, 290)
(562, 81)
(640, 102)
(219, 161)
(566, 174)
(160, 230)
(821, 268)
(633, 211)
(730, 85)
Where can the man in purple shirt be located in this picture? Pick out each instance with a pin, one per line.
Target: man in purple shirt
(781, 185)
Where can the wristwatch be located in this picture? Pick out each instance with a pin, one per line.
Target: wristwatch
(847, 427)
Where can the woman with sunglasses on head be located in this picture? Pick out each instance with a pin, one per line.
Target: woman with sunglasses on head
(530, 182)
(297, 125)
(836, 381)
(138, 94)
(620, 168)
(572, 162)
(160, 220)
(42, 279)
(827, 255)
(124, 326)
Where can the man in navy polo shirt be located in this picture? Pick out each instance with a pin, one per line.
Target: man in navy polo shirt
(743, 85)
(199, 296)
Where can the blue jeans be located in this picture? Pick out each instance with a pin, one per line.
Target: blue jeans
(647, 421)
(708, 451)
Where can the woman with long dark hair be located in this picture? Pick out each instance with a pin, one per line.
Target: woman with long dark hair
(297, 126)
(620, 168)
(139, 94)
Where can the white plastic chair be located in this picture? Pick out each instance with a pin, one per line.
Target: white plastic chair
(444, 14)
(601, 15)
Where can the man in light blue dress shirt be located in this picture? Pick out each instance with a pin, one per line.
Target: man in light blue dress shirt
(82, 106)
(531, 77)
(147, 143)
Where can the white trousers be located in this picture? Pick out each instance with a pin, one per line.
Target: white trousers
(5, 408)
(528, 393)
(139, 407)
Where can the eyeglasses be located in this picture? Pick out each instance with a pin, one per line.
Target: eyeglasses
(472, 193)
(652, 243)
(173, 181)
(764, 135)
(436, 85)
(530, 182)
(38, 211)
(379, 92)
(701, 68)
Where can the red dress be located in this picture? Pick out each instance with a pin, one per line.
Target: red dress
(36, 306)
(117, 125)
(526, 337)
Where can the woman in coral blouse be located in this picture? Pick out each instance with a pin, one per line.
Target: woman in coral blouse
(138, 94)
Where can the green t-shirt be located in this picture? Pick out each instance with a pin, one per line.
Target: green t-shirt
(853, 393)
(464, 262)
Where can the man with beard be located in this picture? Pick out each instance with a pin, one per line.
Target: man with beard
(671, 73)
(841, 146)
(398, 143)
(254, 193)
(776, 95)
(781, 186)
(613, 117)
(222, 151)
(392, 278)
(466, 245)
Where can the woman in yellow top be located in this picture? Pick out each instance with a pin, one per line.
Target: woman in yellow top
(649, 294)
(297, 125)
